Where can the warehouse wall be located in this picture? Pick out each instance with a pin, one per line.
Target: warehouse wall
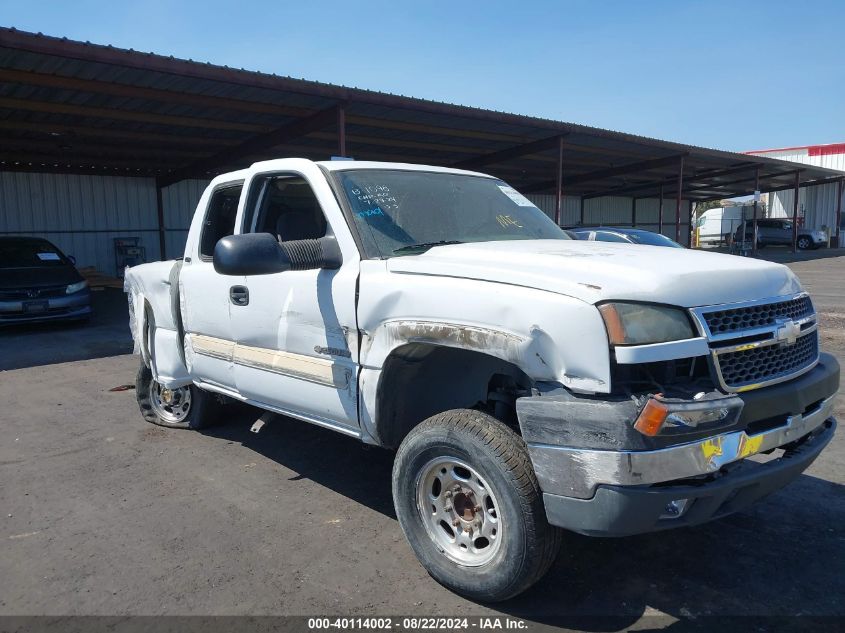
(80, 214)
(179, 202)
(83, 214)
(816, 204)
(617, 211)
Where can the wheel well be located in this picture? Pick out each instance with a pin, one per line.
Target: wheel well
(419, 380)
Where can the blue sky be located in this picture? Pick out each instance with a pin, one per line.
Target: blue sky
(727, 74)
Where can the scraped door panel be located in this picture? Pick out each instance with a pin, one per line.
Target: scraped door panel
(293, 348)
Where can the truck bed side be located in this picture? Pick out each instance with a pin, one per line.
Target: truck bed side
(154, 320)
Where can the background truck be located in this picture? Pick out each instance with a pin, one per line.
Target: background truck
(718, 225)
(778, 232)
(527, 381)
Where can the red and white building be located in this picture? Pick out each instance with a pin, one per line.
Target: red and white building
(816, 205)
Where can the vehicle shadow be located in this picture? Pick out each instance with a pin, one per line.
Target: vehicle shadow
(35, 344)
(317, 454)
(781, 557)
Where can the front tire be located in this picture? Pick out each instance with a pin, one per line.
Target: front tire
(182, 408)
(468, 501)
(804, 243)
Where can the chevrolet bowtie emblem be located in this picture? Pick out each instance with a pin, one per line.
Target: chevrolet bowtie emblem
(788, 332)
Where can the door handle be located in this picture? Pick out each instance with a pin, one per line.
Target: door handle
(239, 295)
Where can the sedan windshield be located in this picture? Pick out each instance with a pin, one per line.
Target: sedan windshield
(407, 212)
(28, 253)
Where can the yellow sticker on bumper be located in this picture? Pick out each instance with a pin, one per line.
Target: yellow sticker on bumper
(749, 445)
(712, 448)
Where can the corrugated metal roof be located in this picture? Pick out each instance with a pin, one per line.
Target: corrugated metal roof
(71, 106)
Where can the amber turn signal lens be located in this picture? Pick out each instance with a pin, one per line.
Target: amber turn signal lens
(613, 322)
(652, 417)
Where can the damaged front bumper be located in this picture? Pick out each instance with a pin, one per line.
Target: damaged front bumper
(599, 476)
(625, 510)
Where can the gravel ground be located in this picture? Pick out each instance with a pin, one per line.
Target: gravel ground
(103, 514)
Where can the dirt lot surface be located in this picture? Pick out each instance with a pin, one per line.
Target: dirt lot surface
(102, 513)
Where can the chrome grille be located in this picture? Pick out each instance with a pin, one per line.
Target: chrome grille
(757, 316)
(744, 368)
(757, 343)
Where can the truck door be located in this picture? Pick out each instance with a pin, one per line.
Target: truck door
(204, 294)
(296, 333)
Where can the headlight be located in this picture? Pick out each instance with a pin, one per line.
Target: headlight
(79, 285)
(641, 324)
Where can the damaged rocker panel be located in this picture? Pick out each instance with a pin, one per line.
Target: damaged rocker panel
(317, 370)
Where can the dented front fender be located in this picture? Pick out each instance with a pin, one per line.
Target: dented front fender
(550, 337)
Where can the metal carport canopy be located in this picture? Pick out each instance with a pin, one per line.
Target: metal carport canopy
(68, 106)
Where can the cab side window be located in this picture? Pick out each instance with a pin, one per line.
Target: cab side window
(286, 207)
(219, 218)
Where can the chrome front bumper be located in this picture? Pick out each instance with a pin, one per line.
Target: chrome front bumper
(625, 510)
(577, 472)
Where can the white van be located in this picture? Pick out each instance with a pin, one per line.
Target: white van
(720, 223)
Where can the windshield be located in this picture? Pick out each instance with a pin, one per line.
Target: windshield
(27, 253)
(653, 239)
(406, 212)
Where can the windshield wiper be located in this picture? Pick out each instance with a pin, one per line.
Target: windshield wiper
(425, 246)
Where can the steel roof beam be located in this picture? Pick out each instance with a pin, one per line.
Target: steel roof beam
(719, 185)
(628, 168)
(525, 149)
(610, 172)
(116, 89)
(207, 101)
(63, 131)
(31, 105)
(711, 173)
(59, 146)
(258, 143)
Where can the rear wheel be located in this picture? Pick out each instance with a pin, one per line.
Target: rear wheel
(470, 506)
(181, 408)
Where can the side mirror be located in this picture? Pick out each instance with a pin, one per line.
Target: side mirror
(262, 254)
(71, 259)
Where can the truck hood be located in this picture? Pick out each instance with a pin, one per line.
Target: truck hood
(599, 271)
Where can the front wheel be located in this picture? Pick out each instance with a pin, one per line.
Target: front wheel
(804, 243)
(468, 501)
(181, 408)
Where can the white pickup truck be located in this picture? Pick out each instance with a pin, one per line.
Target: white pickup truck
(527, 382)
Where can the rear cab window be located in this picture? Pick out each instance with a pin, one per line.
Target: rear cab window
(219, 219)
